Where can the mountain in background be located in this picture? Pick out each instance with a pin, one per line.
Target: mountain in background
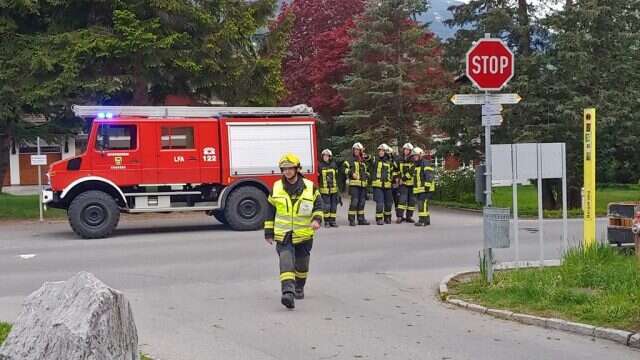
(435, 17)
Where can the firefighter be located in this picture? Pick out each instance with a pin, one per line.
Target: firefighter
(293, 217)
(357, 176)
(328, 180)
(381, 178)
(423, 187)
(406, 207)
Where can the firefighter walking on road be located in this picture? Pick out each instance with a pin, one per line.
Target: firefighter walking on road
(293, 217)
(424, 186)
(381, 181)
(328, 181)
(357, 176)
(406, 203)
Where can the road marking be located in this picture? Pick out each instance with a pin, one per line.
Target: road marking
(27, 256)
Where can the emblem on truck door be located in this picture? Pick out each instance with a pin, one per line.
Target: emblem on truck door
(209, 154)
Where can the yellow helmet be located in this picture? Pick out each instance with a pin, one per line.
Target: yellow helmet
(289, 160)
(417, 151)
(327, 152)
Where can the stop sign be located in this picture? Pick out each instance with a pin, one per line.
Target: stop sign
(490, 64)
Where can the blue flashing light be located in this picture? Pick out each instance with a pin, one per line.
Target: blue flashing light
(101, 115)
(109, 115)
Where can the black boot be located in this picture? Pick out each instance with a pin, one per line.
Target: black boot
(332, 223)
(352, 222)
(387, 219)
(288, 300)
(409, 217)
(379, 222)
(418, 223)
(299, 293)
(362, 221)
(427, 221)
(399, 220)
(327, 224)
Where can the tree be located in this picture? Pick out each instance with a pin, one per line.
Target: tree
(397, 80)
(57, 53)
(315, 62)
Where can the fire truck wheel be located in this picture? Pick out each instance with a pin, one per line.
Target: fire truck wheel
(219, 215)
(93, 214)
(246, 208)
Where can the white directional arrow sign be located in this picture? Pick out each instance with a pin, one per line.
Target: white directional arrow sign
(491, 109)
(480, 99)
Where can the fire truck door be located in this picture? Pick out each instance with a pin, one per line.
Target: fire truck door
(117, 154)
(178, 158)
(208, 143)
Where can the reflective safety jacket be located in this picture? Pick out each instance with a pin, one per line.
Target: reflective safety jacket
(381, 173)
(423, 178)
(405, 171)
(328, 178)
(293, 213)
(356, 167)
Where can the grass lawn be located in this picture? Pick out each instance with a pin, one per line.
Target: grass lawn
(600, 287)
(5, 328)
(528, 200)
(25, 207)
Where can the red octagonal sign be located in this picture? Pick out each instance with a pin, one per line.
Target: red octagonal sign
(490, 64)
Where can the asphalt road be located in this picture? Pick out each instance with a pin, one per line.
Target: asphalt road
(201, 291)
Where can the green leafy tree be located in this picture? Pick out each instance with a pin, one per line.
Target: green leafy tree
(397, 76)
(57, 53)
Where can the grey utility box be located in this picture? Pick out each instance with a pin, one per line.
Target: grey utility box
(496, 227)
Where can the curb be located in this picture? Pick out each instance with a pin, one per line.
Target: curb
(620, 336)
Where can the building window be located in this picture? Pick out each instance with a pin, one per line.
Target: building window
(177, 138)
(116, 137)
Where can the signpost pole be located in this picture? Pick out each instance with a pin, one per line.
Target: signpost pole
(540, 210)
(40, 183)
(514, 184)
(565, 240)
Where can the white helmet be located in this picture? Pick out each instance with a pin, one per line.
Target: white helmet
(417, 151)
(357, 146)
(384, 147)
(327, 152)
(407, 146)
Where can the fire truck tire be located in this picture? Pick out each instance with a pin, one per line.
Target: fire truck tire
(219, 215)
(246, 208)
(93, 214)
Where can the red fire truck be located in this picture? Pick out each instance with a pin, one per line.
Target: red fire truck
(145, 159)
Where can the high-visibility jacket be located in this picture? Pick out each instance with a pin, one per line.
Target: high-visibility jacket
(381, 173)
(423, 178)
(359, 168)
(328, 179)
(405, 171)
(293, 215)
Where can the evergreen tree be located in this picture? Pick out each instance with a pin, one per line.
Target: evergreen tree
(397, 77)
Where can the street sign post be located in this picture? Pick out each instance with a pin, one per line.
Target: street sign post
(39, 160)
(490, 66)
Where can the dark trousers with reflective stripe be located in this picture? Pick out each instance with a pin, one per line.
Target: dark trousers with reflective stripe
(384, 202)
(294, 263)
(358, 201)
(407, 202)
(423, 206)
(330, 207)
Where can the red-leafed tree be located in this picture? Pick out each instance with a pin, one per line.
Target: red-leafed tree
(318, 43)
(397, 81)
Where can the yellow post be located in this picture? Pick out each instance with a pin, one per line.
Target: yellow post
(589, 177)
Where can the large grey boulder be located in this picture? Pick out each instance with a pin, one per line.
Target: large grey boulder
(78, 319)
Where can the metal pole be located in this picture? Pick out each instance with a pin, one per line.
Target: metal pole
(40, 184)
(487, 157)
(565, 239)
(514, 182)
(540, 211)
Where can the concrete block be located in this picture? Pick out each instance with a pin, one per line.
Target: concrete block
(634, 341)
(557, 324)
(477, 308)
(578, 328)
(619, 336)
(529, 319)
(457, 302)
(501, 314)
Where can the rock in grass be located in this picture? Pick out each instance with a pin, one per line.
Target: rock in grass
(80, 319)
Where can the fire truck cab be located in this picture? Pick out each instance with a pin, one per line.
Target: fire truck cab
(157, 159)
